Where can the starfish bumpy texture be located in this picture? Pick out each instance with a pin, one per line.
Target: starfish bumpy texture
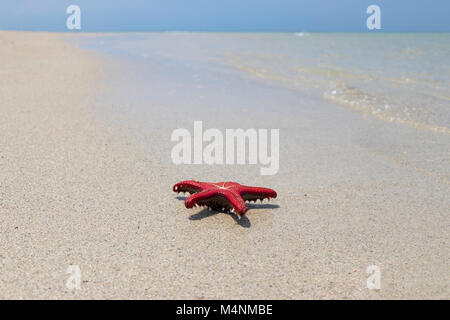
(225, 196)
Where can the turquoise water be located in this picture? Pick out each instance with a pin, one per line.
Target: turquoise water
(398, 78)
(387, 95)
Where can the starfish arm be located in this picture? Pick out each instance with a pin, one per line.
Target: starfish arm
(255, 193)
(190, 186)
(218, 199)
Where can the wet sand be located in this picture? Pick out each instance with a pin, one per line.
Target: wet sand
(86, 177)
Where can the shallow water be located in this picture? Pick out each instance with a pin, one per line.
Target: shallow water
(395, 77)
(397, 84)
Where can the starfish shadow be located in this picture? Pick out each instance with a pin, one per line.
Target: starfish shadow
(243, 222)
(205, 213)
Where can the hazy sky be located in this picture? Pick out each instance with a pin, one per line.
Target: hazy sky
(225, 15)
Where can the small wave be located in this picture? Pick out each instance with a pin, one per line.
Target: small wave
(377, 107)
(339, 81)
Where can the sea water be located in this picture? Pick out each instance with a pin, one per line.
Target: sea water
(398, 84)
(403, 78)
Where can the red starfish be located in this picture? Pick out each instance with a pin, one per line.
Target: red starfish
(228, 196)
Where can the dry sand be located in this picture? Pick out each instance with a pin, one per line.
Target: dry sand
(76, 189)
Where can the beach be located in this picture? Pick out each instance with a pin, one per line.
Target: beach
(86, 173)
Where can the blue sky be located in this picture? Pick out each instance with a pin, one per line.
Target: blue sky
(225, 15)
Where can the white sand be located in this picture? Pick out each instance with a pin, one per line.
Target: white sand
(76, 189)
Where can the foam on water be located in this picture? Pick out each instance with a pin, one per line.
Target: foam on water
(399, 78)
